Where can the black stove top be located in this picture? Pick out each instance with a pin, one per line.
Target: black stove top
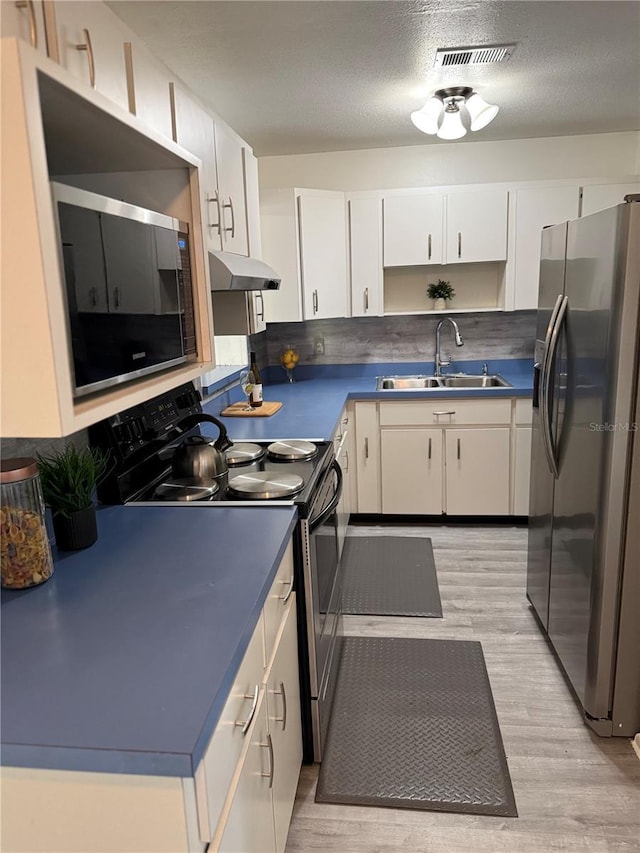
(141, 442)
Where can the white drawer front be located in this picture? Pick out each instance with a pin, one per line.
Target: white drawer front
(444, 412)
(275, 605)
(214, 774)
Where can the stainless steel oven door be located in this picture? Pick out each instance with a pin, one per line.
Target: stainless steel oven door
(322, 588)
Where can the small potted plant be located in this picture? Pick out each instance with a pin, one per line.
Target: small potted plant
(69, 478)
(440, 293)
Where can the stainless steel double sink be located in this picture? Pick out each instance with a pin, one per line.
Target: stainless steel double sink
(435, 383)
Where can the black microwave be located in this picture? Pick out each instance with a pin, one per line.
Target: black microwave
(128, 286)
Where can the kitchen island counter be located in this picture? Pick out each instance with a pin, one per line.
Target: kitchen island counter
(123, 660)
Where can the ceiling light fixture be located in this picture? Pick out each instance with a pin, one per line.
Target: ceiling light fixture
(442, 116)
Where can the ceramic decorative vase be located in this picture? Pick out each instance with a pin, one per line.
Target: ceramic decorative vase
(77, 531)
(440, 304)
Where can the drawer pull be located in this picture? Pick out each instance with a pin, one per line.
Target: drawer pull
(437, 414)
(86, 45)
(246, 723)
(284, 598)
(33, 33)
(269, 745)
(283, 718)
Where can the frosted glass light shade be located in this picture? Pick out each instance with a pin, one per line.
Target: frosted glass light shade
(480, 111)
(452, 127)
(426, 119)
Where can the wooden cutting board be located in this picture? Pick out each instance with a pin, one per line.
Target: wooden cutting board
(263, 411)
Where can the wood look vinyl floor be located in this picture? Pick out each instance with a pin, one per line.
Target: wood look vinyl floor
(574, 790)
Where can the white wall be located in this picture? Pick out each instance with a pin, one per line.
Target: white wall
(601, 155)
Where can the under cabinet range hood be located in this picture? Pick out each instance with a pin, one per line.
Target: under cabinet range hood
(237, 272)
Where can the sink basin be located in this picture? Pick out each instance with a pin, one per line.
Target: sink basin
(433, 383)
(460, 381)
(406, 383)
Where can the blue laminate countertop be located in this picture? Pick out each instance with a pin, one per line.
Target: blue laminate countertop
(123, 660)
(313, 402)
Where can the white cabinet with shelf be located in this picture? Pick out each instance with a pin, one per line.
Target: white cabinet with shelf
(90, 45)
(597, 197)
(24, 19)
(304, 239)
(476, 226)
(35, 338)
(413, 229)
(365, 256)
(533, 209)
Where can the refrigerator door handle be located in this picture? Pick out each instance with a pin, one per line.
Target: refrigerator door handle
(546, 416)
(544, 386)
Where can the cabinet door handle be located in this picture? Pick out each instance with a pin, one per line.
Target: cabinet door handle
(346, 462)
(366, 299)
(244, 724)
(33, 33)
(315, 302)
(366, 448)
(437, 414)
(283, 719)
(86, 45)
(94, 299)
(284, 598)
(458, 448)
(215, 199)
(429, 454)
(459, 244)
(232, 227)
(269, 745)
(116, 296)
(429, 242)
(261, 298)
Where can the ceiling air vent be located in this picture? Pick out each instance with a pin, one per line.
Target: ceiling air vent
(483, 55)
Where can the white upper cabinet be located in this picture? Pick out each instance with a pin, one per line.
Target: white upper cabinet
(148, 86)
(90, 43)
(232, 190)
(194, 131)
(413, 229)
(534, 209)
(365, 256)
(23, 20)
(601, 196)
(304, 240)
(476, 226)
(323, 250)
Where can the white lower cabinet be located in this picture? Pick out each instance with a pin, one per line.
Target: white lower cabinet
(249, 824)
(522, 470)
(412, 471)
(424, 458)
(477, 471)
(284, 724)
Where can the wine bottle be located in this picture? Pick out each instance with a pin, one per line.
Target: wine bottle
(255, 400)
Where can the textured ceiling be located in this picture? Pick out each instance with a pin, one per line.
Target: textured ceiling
(319, 75)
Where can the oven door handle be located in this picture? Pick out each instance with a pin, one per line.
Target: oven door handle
(322, 516)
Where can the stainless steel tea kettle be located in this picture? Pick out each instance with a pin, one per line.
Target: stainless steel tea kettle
(198, 457)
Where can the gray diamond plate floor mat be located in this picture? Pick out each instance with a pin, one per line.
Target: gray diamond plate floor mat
(389, 576)
(414, 726)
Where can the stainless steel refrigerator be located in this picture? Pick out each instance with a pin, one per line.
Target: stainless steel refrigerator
(583, 568)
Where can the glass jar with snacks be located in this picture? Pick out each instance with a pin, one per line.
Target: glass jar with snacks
(25, 555)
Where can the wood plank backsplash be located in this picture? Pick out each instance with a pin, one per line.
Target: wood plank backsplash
(356, 340)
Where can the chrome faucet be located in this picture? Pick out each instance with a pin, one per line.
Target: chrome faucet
(440, 362)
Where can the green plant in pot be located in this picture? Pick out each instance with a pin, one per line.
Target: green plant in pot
(441, 292)
(69, 478)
